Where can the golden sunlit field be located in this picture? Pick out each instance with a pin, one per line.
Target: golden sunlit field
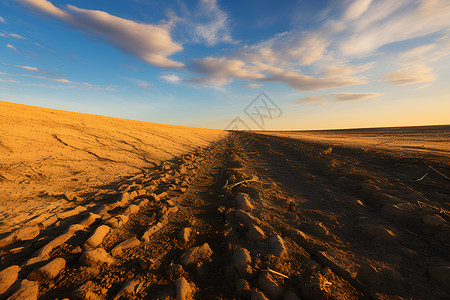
(96, 207)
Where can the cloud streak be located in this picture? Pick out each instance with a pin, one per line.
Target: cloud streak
(337, 97)
(36, 70)
(151, 43)
(214, 23)
(411, 75)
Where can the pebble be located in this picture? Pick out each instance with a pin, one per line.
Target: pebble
(246, 218)
(97, 237)
(196, 254)
(183, 289)
(128, 290)
(184, 234)
(49, 271)
(117, 221)
(22, 234)
(25, 290)
(257, 295)
(270, 287)
(242, 288)
(242, 202)
(276, 242)
(88, 221)
(130, 243)
(255, 233)
(132, 209)
(241, 256)
(96, 257)
(7, 277)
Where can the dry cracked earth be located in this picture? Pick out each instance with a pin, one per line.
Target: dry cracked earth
(250, 216)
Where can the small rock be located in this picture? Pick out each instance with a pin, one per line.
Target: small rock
(7, 277)
(117, 221)
(241, 256)
(25, 290)
(246, 218)
(96, 257)
(183, 289)
(89, 220)
(22, 234)
(257, 295)
(196, 254)
(242, 288)
(97, 237)
(433, 221)
(254, 233)
(440, 274)
(130, 243)
(242, 202)
(128, 290)
(276, 242)
(72, 212)
(184, 234)
(270, 287)
(131, 210)
(49, 271)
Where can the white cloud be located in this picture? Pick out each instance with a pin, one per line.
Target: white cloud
(34, 69)
(151, 43)
(411, 75)
(254, 85)
(171, 78)
(1, 34)
(2, 20)
(9, 80)
(16, 36)
(389, 21)
(214, 23)
(10, 47)
(337, 97)
(140, 83)
(356, 9)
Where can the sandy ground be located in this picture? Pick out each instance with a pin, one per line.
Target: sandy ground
(423, 139)
(47, 155)
(247, 216)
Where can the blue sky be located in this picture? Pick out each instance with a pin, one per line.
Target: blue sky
(326, 64)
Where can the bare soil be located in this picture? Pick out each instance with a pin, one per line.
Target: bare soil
(270, 216)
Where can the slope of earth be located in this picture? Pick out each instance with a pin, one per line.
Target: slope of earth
(376, 218)
(50, 156)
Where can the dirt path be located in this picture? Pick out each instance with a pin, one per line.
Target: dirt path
(251, 217)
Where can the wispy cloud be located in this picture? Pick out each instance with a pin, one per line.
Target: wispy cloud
(2, 20)
(411, 75)
(36, 70)
(8, 80)
(140, 83)
(10, 47)
(173, 78)
(337, 97)
(1, 34)
(212, 23)
(386, 21)
(254, 85)
(149, 42)
(16, 36)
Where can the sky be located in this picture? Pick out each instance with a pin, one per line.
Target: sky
(292, 64)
